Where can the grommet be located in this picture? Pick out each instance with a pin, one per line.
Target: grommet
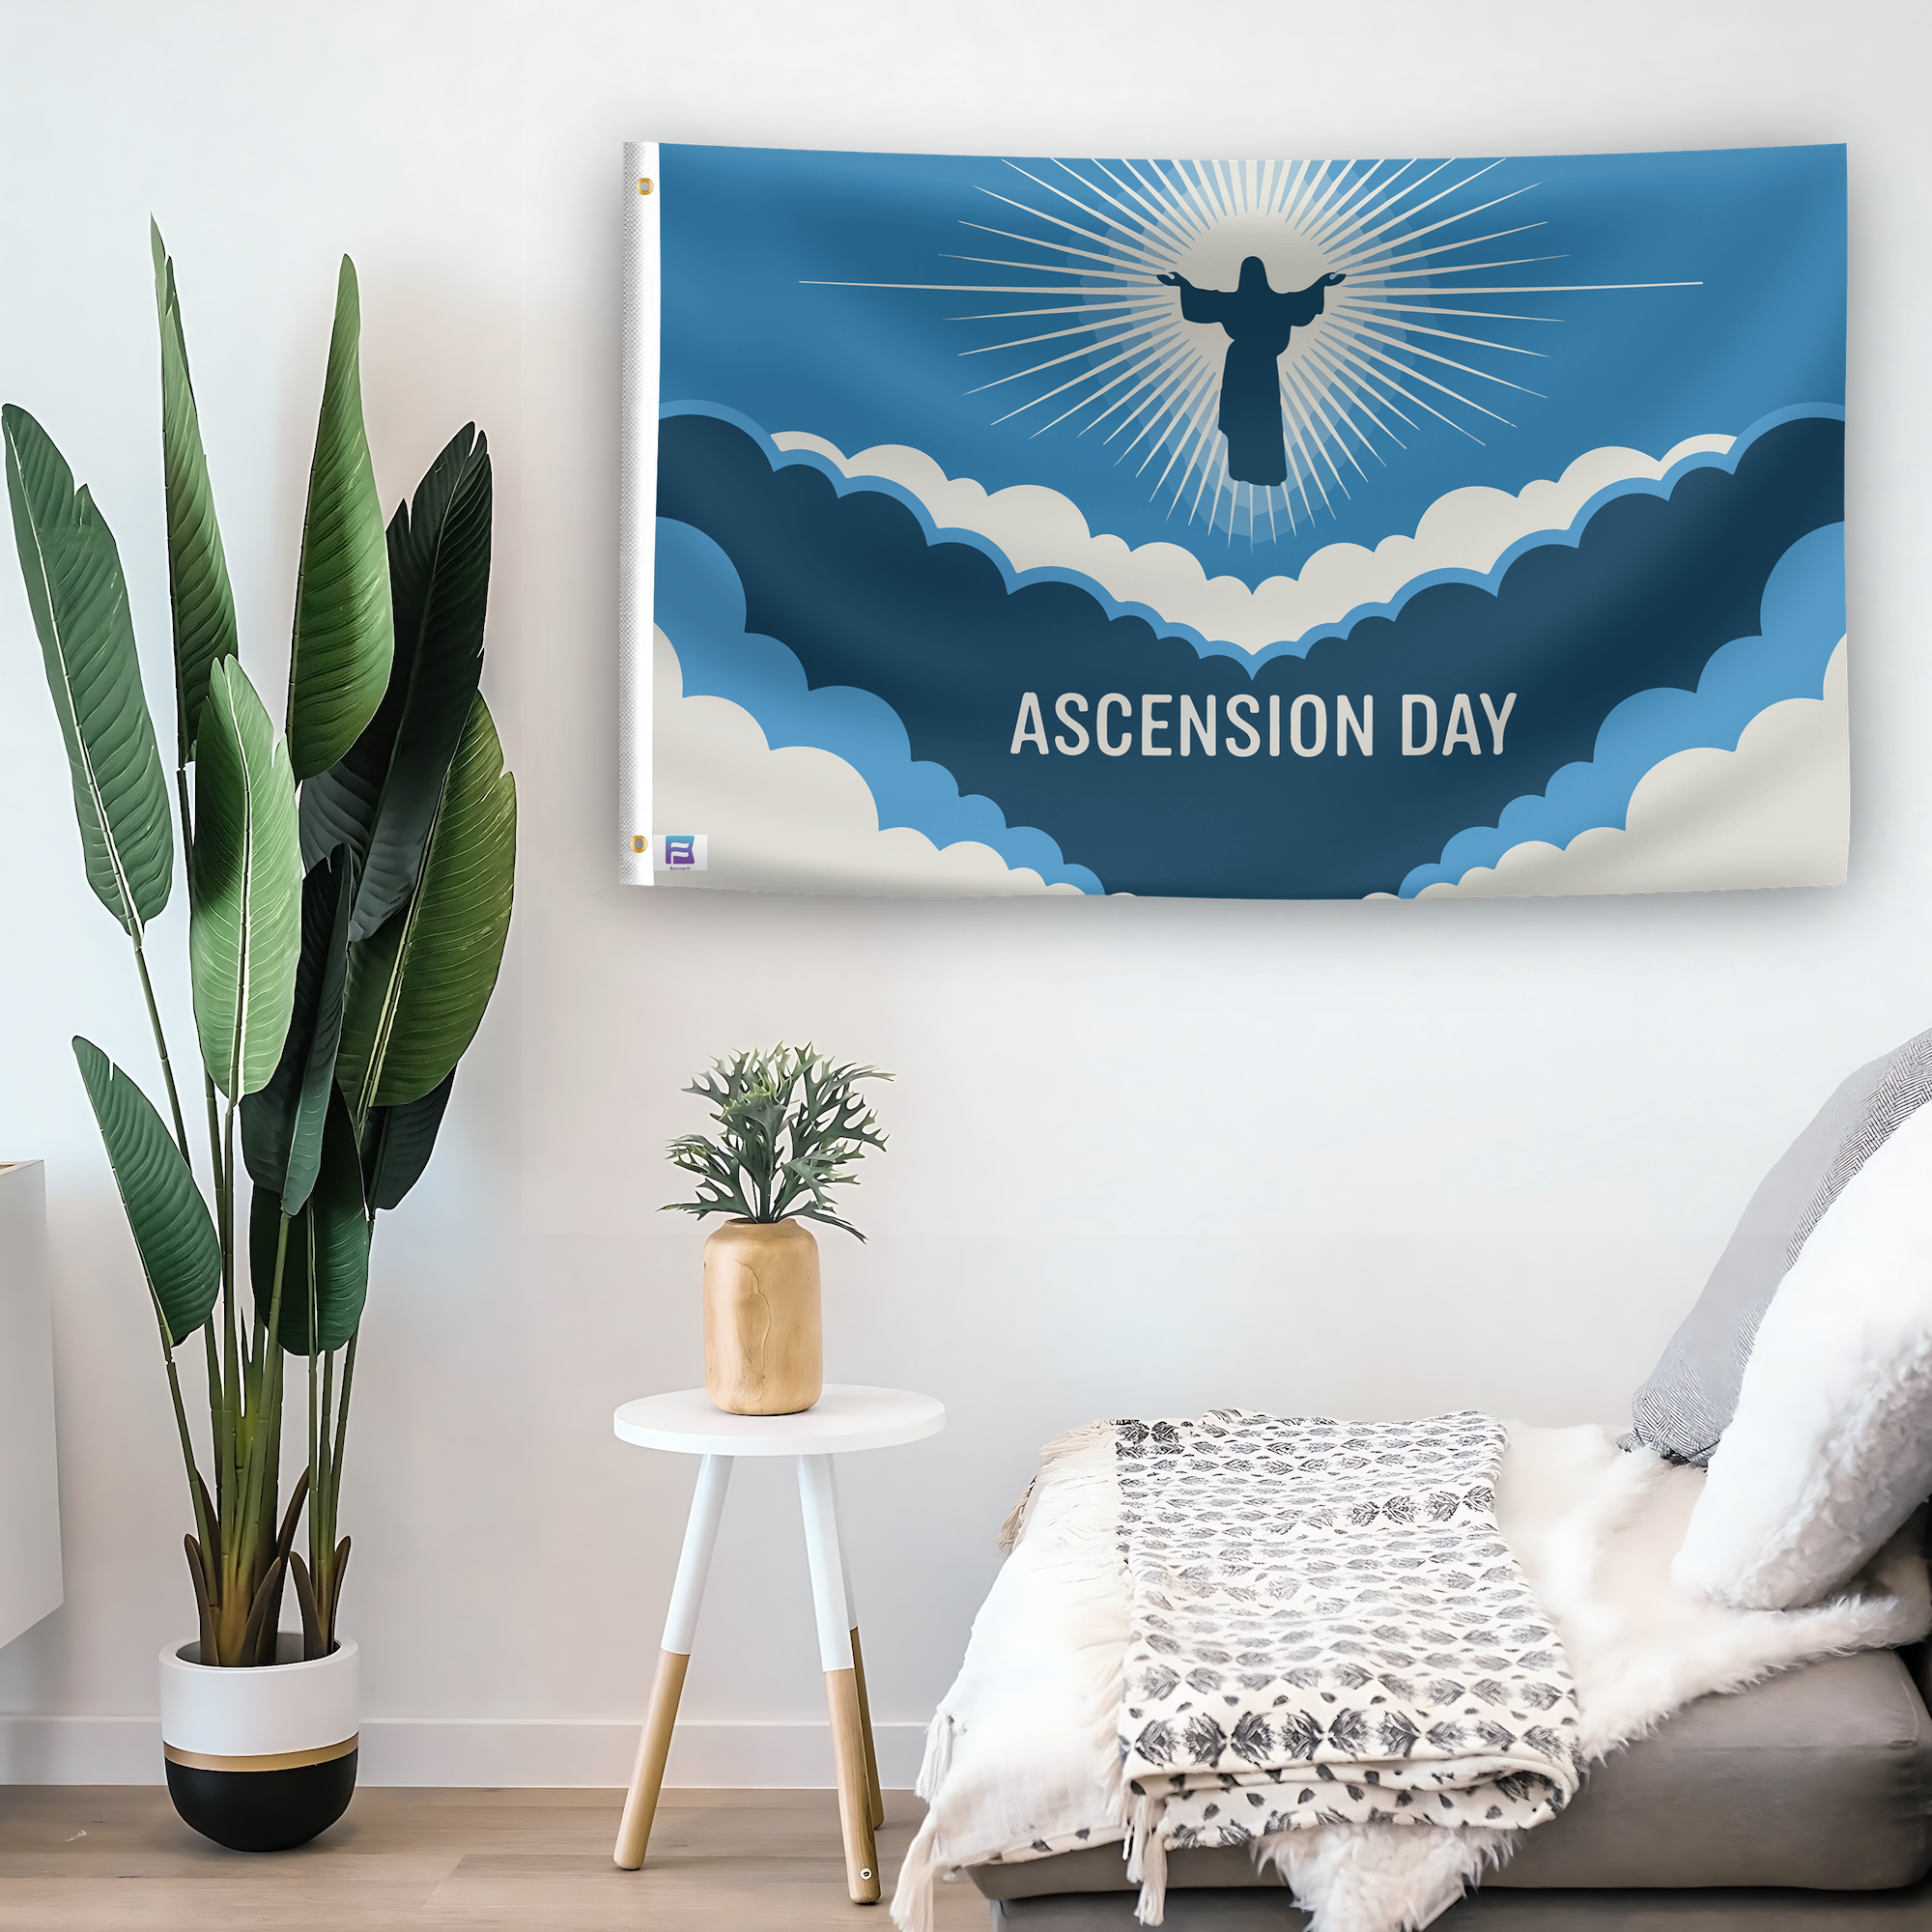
(639, 842)
(643, 183)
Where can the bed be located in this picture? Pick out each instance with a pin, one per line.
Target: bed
(1673, 1677)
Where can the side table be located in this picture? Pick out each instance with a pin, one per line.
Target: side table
(843, 1419)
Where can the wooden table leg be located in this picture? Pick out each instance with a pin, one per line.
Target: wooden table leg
(874, 1796)
(877, 1797)
(694, 1564)
(841, 1679)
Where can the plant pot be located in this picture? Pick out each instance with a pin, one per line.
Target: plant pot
(264, 1759)
(764, 1349)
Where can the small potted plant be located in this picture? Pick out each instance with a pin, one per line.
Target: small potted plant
(349, 888)
(791, 1127)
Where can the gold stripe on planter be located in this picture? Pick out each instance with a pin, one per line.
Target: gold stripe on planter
(267, 1761)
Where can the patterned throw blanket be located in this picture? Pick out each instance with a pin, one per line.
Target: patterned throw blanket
(1327, 1628)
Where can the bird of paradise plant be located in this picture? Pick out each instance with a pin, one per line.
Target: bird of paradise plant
(349, 884)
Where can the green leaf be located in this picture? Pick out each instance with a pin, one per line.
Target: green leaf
(793, 1126)
(326, 1260)
(281, 1125)
(418, 987)
(79, 601)
(180, 1253)
(344, 637)
(380, 797)
(244, 887)
(397, 1144)
(198, 590)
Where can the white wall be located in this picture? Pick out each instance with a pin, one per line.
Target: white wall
(1148, 1156)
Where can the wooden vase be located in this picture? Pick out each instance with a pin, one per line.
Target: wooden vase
(764, 1348)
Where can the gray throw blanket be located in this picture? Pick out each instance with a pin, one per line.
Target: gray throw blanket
(1327, 1628)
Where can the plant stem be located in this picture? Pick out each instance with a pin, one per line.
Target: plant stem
(221, 1422)
(196, 1488)
(194, 1485)
(213, 1142)
(213, 1134)
(231, 1358)
(214, 1418)
(343, 1421)
(336, 1488)
(161, 1047)
(264, 1368)
(242, 1565)
(231, 1418)
(322, 1519)
(317, 1434)
(268, 1408)
(342, 1415)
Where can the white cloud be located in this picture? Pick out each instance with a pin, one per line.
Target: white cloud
(1775, 812)
(797, 819)
(1467, 529)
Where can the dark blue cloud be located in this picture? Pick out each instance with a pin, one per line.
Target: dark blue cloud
(1801, 623)
(856, 591)
(701, 607)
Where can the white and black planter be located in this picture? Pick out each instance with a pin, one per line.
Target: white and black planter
(261, 1760)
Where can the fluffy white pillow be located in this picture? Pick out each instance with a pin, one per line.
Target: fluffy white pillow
(1830, 1448)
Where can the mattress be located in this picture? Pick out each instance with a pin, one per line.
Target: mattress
(1820, 1779)
(1578, 1911)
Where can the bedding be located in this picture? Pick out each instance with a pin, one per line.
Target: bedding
(1023, 1756)
(1324, 1624)
(1819, 1777)
(1687, 1403)
(1830, 1448)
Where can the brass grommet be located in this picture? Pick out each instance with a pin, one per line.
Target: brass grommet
(639, 842)
(643, 183)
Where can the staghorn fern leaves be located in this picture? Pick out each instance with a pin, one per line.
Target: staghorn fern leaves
(791, 1127)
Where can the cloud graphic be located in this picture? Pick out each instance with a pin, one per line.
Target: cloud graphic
(1801, 619)
(1462, 536)
(794, 818)
(850, 580)
(700, 601)
(1775, 812)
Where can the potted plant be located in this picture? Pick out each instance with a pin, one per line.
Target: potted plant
(348, 896)
(791, 1127)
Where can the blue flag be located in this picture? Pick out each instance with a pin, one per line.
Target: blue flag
(1290, 529)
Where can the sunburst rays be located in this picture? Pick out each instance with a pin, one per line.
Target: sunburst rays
(1096, 346)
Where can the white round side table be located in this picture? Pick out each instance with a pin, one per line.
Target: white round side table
(843, 1419)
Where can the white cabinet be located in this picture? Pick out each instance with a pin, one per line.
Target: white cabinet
(30, 1552)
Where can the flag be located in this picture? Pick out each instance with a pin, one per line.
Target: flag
(1279, 528)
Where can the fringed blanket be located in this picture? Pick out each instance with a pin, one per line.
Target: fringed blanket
(1326, 1627)
(1023, 1758)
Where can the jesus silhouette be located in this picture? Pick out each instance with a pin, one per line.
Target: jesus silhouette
(1259, 322)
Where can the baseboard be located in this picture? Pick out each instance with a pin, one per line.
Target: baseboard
(480, 1751)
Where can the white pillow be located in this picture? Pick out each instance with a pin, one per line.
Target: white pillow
(1830, 1448)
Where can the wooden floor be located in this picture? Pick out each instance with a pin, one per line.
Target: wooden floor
(76, 1859)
